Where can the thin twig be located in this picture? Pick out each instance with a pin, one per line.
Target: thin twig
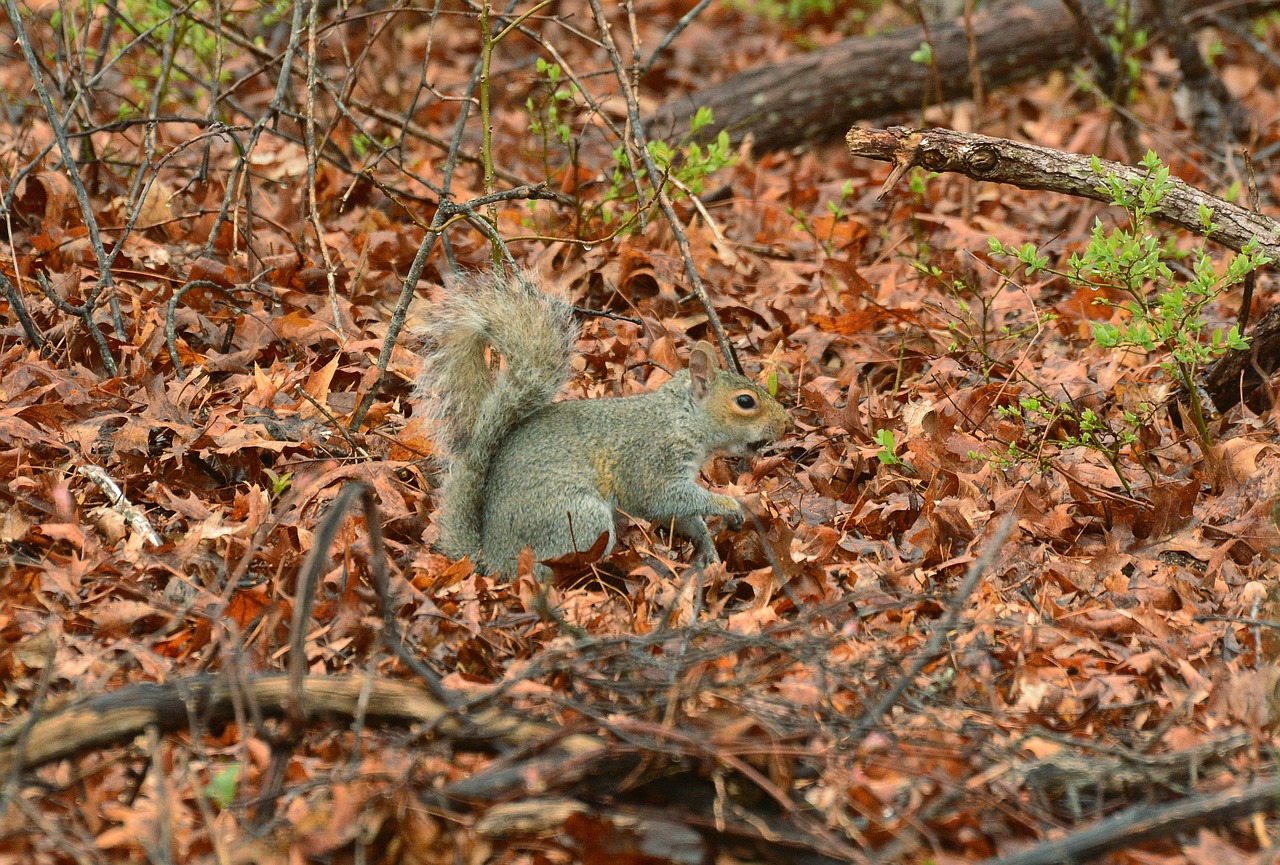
(313, 205)
(309, 578)
(170, 324)
(640, 145)
(132, 514)
(19, 308)
(35, 712)
(77, 185)
(934, 646)
(447, 211)
(163, 851)
(685, 21)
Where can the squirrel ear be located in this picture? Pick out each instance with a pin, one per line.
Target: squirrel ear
(702, 368)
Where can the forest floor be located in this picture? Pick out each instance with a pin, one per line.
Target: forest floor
(995, 586)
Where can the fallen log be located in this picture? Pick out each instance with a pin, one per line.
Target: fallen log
(542, 758)
(209, 701)
(817, 96)
(1147, 822)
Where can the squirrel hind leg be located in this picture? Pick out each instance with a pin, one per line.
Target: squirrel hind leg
(574, 526)
(585, 520)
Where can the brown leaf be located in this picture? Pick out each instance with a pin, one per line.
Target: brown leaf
(46, 197)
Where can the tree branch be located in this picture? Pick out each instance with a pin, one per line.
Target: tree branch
(1030, 166)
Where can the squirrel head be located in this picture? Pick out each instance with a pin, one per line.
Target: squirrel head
(742, 417)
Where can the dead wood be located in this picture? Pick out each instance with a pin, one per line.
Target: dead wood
(1145, 823)
(119, 716)
(667, 833)
(544, 757)
(1030, 166)
(1079, 771)
(816, 97)
(1233, 377)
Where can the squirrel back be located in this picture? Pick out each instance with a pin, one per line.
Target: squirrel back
(475, 410)
(524, 471)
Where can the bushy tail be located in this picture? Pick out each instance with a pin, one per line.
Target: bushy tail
(474, 410)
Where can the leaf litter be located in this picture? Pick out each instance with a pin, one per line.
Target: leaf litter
(1117, 637)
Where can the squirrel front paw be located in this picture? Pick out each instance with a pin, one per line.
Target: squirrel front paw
(729, 508)
(703, 558)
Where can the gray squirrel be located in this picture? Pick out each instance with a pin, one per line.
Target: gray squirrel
(523, 471)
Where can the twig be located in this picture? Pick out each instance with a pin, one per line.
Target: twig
(933, 648)
(273, 111)
(1146, 822)
(356, 448)
(20, 310)
(641, 145)
(1216, 117)
(78, 853)
(446, 212)
(309, 136)
(34, 714)
(1251, 278)
(309, 577)
(85, 311)
(170, 325)
(163, 851)
(675, 31)
(1104, 59)
(975, 69)
(1240, 620)
(132, 514)
(424, 248)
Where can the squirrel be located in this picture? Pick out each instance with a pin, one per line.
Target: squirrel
(524, 471)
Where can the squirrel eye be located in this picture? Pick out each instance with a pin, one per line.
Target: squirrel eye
(745, 401)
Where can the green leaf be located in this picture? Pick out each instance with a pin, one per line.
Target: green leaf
(1106, 335)
(1206, 219)
(888, 445)
(222, 789)
(701, 118)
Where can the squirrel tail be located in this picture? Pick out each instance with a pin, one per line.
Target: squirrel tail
(474, 410)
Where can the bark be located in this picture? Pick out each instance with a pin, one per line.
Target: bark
(818, 96)
(1237, 374)
(1234, 375)
(32, 741)
(1030, 166)
(1146, 822)
(543, 759)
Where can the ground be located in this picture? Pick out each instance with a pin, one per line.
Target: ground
(998, 582)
